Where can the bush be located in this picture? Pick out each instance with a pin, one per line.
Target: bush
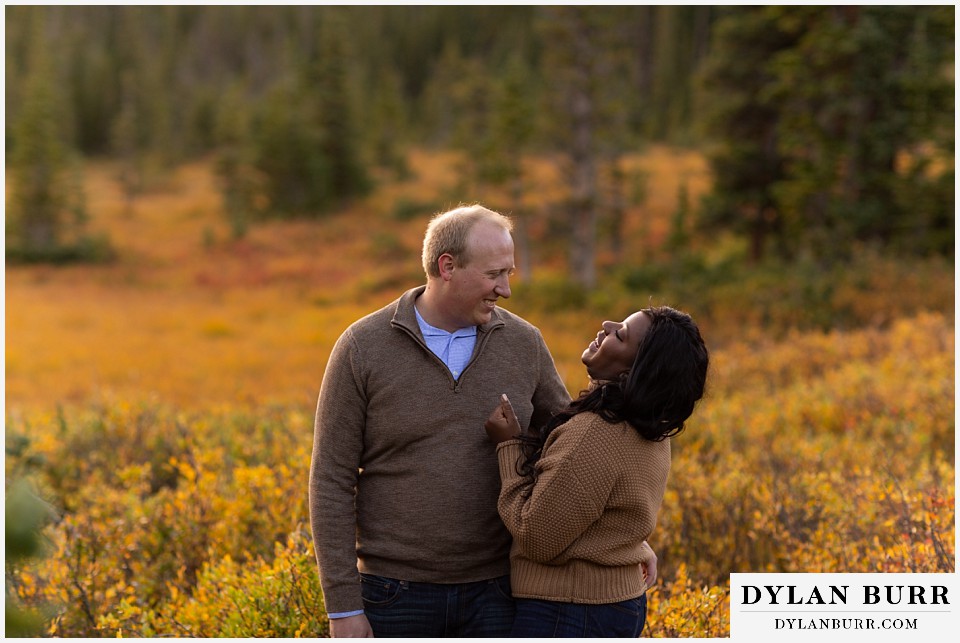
(88, 249)
(195, 525)
(24, 515)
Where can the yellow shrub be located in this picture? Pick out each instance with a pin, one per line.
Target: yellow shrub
(826, 452)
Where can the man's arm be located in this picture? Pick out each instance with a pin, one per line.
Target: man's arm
(337, 449)
(551, 394)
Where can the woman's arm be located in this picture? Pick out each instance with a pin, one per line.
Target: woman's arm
(574, 479)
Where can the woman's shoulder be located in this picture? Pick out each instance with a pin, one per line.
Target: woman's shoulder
(591, 425)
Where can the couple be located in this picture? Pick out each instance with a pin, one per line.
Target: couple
(456, 490)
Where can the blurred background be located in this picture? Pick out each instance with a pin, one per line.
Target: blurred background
(823, 127)
(199, 199)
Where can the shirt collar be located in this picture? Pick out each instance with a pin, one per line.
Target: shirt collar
(433, 331)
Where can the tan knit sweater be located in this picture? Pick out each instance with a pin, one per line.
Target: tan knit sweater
(579, 536)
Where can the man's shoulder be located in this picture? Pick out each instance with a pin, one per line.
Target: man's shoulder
(378, 320)
(515, 322)
(377, 317)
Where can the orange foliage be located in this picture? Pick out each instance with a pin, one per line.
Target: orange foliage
(164, 406)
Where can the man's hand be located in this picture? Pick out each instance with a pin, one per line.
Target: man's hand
(502, 424)
(351, 627)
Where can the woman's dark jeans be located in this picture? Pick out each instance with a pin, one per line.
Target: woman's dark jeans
(399, 608)
(548, 619)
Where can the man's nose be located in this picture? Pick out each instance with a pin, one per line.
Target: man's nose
(503, 287)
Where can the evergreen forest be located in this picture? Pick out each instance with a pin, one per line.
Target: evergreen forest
(825, 127)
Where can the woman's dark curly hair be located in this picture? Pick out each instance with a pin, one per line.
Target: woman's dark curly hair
(656, 396)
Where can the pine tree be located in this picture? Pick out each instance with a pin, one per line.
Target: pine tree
(288, 153)
(815, 109)
(46, 212)
(345, 175)
(307, 149)
(513, 121)
(855, 97)
(126, 145)
(240, 184)
(583, 58)
(388, 121)
(746, 159)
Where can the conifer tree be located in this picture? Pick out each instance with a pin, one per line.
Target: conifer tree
(746, 159)
(46, 211)
(328, 82)
(240, 185)
(438, 101)
(582, 58)
(854, 98)
(287, 152)
(569, 55)
(513, 123)
(126, 144)
(388, 120)
(814, 109)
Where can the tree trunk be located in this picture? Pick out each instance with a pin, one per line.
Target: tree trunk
(520, 235)
(583, 197)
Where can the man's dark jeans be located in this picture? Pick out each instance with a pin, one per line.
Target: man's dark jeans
(399, 608)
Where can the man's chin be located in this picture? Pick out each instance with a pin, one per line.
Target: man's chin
(484, 317)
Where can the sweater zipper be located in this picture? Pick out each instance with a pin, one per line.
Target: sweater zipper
(482, 337)
(429, 352)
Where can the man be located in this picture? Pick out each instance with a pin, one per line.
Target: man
(403, 482)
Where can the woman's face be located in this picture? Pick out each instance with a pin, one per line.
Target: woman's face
(615, 347)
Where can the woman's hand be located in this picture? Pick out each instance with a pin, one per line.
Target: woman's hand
(502, 424)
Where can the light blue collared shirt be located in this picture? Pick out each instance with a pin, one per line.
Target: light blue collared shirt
(454, 349)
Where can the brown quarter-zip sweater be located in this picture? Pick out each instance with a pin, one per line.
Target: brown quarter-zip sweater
(578, 536)
(403, 480)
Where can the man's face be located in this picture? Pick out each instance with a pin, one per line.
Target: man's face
(475, 287)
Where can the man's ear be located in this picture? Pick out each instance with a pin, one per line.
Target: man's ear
(445, 264)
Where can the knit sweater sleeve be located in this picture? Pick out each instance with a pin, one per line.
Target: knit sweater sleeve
(574, 479)
(337, 448)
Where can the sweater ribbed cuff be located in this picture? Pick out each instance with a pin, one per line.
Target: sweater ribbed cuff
(508, 452)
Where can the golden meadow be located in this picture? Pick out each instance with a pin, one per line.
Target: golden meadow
(163, 406)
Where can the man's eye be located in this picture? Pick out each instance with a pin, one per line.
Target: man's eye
(617, 333)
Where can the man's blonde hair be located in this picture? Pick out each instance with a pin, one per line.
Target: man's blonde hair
(447, 234)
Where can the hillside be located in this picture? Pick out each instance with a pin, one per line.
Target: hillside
(163, 404)
(195, 318)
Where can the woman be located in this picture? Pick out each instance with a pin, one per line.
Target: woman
(582, 495)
